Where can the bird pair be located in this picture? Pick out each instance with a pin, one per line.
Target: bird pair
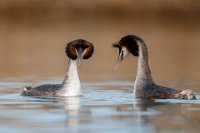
(144, 86)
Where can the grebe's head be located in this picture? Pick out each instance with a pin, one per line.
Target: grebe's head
(127, 44)
(79, 49)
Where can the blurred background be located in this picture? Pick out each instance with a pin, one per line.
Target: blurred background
(34, 33)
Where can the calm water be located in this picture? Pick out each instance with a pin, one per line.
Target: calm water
(105, 107)
(33, 36)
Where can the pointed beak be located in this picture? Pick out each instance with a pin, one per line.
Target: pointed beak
(80, 56)
(119, 60)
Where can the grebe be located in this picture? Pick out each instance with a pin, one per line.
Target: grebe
(76, 51)
(145, 86)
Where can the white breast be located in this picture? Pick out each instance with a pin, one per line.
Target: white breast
(72, 85)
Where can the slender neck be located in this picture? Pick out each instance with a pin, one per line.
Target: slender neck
(143, 71)
(71, 82)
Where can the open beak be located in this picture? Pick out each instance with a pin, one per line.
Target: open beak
(119, 60)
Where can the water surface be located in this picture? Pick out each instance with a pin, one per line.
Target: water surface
(105, 107)
(33, 36)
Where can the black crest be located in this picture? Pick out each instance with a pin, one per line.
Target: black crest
(89, 49)
(130, 41)
(116, 45)
(73, 46)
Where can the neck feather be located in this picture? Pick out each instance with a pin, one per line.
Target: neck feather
(71, 83)
(143, 71)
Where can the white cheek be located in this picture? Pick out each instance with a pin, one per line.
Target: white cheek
(84, 52)
(125, 52)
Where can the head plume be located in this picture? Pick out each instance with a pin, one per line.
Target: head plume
(78, 48)
(131, 43)
(127, 44)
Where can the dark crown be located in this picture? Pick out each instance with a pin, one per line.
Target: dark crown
(73, 46)
(131, 43)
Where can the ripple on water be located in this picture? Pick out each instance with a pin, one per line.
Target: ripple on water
(102, 105)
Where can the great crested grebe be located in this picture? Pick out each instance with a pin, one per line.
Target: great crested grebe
(76, 51)
(144, 86)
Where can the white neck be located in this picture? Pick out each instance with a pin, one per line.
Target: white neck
(143, 77)
(71, 83)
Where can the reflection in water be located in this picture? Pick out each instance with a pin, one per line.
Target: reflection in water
(100, 109)
(167, 115)
(72, 106)
(74, 113)
(32, 37)
(143, 110)
(84, 115)
(143, 104)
